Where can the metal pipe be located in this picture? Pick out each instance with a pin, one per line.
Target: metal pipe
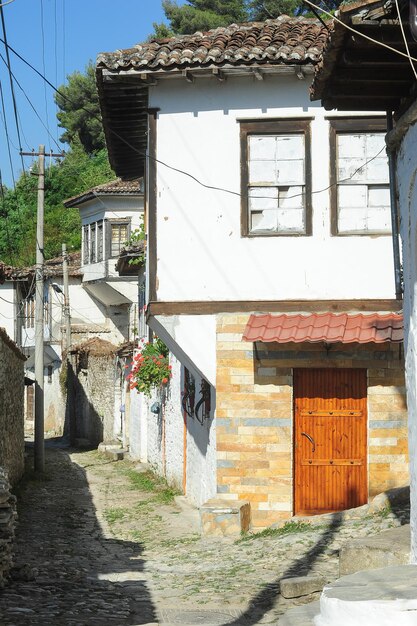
(394, 215)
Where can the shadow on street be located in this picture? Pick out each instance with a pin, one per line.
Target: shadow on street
(67, 572)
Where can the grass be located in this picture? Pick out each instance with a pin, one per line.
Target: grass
(288, 528)
(150, 482)
(114, 515)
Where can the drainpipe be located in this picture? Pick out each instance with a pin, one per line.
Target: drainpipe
(394, 214)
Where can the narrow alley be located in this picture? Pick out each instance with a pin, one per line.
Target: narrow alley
(102, 542)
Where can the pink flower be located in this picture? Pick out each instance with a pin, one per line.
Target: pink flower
(164, 381)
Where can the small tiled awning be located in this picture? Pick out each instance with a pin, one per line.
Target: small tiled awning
(325, 327)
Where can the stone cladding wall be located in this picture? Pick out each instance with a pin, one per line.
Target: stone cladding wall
(93, 389)
(255, 416)
(12, 440)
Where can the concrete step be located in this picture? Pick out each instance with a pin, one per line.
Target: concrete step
(382, 597)
(391, 547)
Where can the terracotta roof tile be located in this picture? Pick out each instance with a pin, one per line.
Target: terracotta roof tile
(281, 40)
(117, 186)
(326, 327)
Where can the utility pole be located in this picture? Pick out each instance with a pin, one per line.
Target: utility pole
(67, 311)
(39, 461)
(39, 456)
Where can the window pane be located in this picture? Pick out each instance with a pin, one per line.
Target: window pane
(100, 241)
(262, 147)
(291, 221)
(118, 238)
(264, 221)
(92, 243)
(263, 172)
(290, 172)
(291, 197)
(86, 245)
(363, 193)
(290, 146)
(263, 198)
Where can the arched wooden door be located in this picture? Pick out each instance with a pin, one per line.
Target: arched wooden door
(330, 439)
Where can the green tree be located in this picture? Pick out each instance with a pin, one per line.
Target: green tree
(69, 177)
(79, 111)
(200, 15)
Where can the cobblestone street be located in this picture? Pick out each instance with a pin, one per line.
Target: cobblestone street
(99, 542)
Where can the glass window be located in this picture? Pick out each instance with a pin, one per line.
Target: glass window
(86, 244)
(119, 236)
(99, 241)
(360, 191)
(92, 243)
(276, 178)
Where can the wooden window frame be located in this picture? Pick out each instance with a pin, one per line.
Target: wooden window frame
(274, 127)
(348, 126)
(115, 222)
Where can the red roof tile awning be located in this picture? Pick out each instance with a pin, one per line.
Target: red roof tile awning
(325, 327)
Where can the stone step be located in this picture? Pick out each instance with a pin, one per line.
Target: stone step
(391, 547)
(301, 586)
(382, 597)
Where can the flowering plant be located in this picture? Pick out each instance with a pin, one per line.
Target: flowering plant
(150, 367)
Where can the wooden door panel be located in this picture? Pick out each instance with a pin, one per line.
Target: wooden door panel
(330, 440)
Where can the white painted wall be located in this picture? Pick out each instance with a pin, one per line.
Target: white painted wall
(201, 455)
(407, 190)
(201, 254)
(7, 308)
(192, 339)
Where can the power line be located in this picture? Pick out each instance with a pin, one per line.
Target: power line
(6, 130)
(3, 24)
(358, 32)
(32, 106)
(43, 64)
(405, 39)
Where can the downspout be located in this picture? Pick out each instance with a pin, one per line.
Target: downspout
(394, 214)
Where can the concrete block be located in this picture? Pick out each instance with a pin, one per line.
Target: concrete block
(391, 547)
(225, 517)
(301, 586)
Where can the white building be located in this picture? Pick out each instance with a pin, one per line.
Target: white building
(385, 83)
(259, 201)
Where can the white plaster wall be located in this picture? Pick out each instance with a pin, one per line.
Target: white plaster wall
(198, 132)
(135, 424)
(192, 339)
(407, 190)
(7, 309)
(174, 428)
(201, 455)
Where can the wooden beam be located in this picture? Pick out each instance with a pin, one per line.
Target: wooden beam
(217, 73)
(208, 307)
(188, 76)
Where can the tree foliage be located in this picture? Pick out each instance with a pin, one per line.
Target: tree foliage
(72, 175)
(203, 15)
(79, 111)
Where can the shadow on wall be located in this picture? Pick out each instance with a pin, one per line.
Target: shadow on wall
(198, 400)
(82, 421)
(86, 577)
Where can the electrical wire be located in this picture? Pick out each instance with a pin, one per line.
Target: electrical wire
(405, 39)
(32, 106)
(4, 4)
(3, 25)
(43, 63)
(6, 130)
(358, 32)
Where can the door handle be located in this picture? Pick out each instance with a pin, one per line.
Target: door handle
(311, 440)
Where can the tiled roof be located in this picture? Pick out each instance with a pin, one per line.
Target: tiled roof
(282, 40)
(326, 327)
(117, 186)
(52, 267)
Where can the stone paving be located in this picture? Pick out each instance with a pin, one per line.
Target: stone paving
(94, 547)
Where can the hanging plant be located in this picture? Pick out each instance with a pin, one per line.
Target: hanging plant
(150, 368)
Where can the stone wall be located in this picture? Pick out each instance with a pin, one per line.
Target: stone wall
(12, 440)
(255, 416)
(92, 385)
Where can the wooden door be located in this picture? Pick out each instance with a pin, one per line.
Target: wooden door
(330, 440)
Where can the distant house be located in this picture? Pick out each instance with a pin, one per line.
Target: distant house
(269, 269)
(361, 72)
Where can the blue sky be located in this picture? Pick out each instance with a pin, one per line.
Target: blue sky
(74, 31)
